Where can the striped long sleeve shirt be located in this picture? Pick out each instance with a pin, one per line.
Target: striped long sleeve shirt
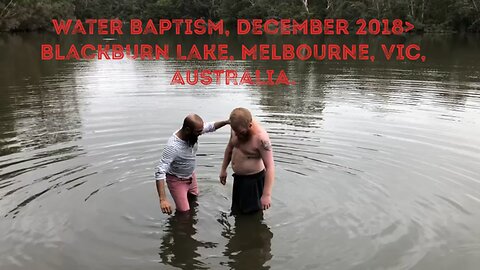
(178, 158)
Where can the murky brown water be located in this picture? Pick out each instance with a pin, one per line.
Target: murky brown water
(378, 164)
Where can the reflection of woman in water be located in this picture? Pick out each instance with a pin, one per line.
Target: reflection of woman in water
(179, 248)
(249, 243)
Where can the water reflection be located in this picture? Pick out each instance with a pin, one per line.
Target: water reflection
(39, 101)
(449, 78)
(179, 247)
(385, 155)
(249, 242)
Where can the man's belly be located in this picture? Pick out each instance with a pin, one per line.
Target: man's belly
(242, 164)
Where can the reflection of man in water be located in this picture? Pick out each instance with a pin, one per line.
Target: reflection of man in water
(251, 154)
(177, 165)
(249, 243)
(179, 247)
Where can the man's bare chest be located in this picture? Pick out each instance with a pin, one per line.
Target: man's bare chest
(248, 148)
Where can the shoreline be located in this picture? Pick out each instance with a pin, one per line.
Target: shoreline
(41, 31)
(419, 29)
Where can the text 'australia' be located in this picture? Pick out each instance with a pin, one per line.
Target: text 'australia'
(231, 77)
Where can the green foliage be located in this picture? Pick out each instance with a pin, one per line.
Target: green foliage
(31, 14)
(434, 15)
(465, 16)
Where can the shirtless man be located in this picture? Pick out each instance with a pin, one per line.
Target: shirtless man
(251, 154)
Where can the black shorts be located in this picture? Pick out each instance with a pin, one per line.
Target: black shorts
(247, 192)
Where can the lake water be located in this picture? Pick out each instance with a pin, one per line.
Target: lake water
(377, 164)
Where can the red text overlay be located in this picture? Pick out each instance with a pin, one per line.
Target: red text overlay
(287, 51)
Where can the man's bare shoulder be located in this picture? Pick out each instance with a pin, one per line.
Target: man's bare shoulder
(263, 139)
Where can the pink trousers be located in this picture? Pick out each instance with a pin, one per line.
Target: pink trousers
(180, 188)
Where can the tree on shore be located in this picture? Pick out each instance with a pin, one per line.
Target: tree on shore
(431, 15)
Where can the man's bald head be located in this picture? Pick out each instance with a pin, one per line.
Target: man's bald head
(241, 123)
(192, 121)
(240, 117)
(192, 128)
